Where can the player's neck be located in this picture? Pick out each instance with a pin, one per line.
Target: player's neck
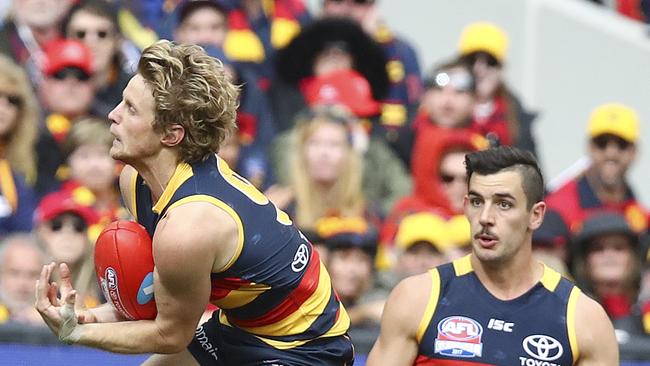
(509, 279)
(157, 171)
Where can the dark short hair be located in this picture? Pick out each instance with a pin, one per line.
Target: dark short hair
(506, 158)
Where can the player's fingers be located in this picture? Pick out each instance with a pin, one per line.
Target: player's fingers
(66, 279)
(42, 284)
(53, 294)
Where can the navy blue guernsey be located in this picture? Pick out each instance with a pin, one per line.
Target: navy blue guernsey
(275, 287)
(464, 324)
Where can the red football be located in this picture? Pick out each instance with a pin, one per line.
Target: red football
(124, 267)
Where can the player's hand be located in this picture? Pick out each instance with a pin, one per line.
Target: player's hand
(57, 312)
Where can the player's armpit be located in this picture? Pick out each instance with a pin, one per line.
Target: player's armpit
(403, 313)
(597, 344)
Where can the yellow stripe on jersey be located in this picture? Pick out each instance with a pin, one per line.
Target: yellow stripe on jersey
(431, 305)
(182, 173)
(550, 279)
(132, 202)
(301, 319)
(571, 322)
(222, 205)
(463, 266)
(241, 297)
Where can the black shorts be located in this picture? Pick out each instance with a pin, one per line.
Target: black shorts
(220, 345)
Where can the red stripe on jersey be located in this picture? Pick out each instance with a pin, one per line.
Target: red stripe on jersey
(222, 287)
(306, 288)
(426, 361)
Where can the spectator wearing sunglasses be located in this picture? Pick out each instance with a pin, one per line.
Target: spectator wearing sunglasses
(95, 24)
(18, 128)
(61, 224)
(67, 93)
(439, 184)
(613, 133)
(498, 112)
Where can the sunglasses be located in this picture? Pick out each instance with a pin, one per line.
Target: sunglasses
(490, 60)
(460, 80)
(13, 99)
(450, 178)
(77, 223)
(73, 72)
(82, 34)
(603, 141)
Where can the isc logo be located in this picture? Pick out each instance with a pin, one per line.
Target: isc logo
(496, 324)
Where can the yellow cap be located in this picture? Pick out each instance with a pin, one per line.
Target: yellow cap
(427, 227)
(484, 36)
(616, 119)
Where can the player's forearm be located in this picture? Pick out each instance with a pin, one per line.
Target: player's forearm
(142, 336)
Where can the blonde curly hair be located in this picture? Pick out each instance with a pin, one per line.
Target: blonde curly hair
(19, 143)
(190, 89)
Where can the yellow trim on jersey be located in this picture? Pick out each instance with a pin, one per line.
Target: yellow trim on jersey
(431, 305)
(301, 319)
(224, 206)
(7, 185)
(242, 296)
(182, 173)
(571, 322)
(463, 266)
(132, 203)
(550, 279)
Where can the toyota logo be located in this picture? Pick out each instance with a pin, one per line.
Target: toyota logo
(542, 347)
(301, 258)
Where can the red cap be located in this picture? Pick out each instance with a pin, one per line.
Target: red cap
(62, 53)
(58, 203)
(346, 87)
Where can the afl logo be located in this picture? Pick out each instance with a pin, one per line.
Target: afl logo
(543, 347)
(460, 328)
(111, 278)
(145, 293)
(301, 258)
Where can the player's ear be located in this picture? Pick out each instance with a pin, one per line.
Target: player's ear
(537, 215)
(173, 136)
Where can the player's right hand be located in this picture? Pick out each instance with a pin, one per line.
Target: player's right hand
(48, 303)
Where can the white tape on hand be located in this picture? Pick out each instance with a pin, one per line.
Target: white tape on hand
(69, 333)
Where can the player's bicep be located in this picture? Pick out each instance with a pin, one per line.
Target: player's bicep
(183, 264)
(396, 344)
(597, 343)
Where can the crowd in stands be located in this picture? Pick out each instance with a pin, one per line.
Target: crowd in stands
(338, 125)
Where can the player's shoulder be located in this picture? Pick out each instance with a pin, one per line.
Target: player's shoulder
(412, 291)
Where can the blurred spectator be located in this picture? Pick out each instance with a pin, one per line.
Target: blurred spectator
(202, 22)
(255, 125)
(402, 66)
(613, 132)
(95, 24)
(21, 261)
(352, 244)
(644, 292)
(498, 113)
(258, 28)
(18, 125)
(383, 179)
(325, 46)
(325, 169)
(93, 173)
(552, 242)
(62, 222)
(607, 262)
(439, 178)
(31, 25)
(67, 93)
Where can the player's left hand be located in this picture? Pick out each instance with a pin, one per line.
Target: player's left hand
(58, 312)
